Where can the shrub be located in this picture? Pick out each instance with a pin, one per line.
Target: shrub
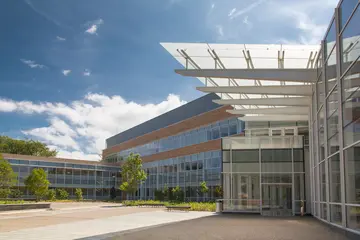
(177, 194)
(62, 194)
(15, 193)
(159, 195)
(51, 195)
(78, 194)
(4, 192)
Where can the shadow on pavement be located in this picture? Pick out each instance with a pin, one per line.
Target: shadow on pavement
(236, 226)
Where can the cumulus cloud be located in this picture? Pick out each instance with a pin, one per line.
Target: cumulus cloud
(32, 63)
(79, 129)
(87, 72)
(66, 72)
(60, 38)
(93, 26)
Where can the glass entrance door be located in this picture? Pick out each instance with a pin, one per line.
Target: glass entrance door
(277, 200)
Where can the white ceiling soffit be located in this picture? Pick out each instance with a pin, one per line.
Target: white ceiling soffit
(301, 90)
(289, 101)
(228, 70)
(273, 111)
(288, 75)
(273, 118)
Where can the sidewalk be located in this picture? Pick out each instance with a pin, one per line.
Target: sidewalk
(96, 227)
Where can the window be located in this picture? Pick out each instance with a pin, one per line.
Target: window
(330, 40)
(232, 129)
(224, 131)
(352, 163)
(334, 179)
(215, 133)
(350, 41)
(346, 8)
(351, 111)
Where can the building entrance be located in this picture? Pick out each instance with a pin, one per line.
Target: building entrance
(277, 199)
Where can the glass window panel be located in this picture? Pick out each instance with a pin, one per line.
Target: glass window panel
(299, 187)
(224, 131)
(350, 41)
(330, 39)
(320, 92)
(353, 215)
(323, 211)
(351, 110)
(322, 175)
(352, 170)
(232, 129)
(215, 133)
(245, 155)
(346, 8)
(336, 214)
(334, 179)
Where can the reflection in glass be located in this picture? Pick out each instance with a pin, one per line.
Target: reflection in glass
(334, 179)
(350, 41)
(352, 171)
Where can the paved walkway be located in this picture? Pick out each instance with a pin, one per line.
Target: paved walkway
(239, 227)
(78, 225)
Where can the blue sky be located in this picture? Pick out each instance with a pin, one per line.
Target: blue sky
(76, 72)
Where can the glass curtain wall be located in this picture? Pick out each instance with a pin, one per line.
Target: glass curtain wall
(335, 122)
(95, 181)
(186, 172)
(263, 174)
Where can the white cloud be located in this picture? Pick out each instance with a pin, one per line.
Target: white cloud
(232, 12)
(60, 38)
(87, 72)
(32, 63)
(240, 12)
(94, 26)
(213, 6)
(66, 72)
(79, 129)
(247, 22)
(220, 30)
(310, 18)
(7, 106)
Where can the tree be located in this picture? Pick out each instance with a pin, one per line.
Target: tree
(37, 183)
(7, 178)
(132, 174)
(203, 187)
(78, 194)
(218, 191)
(25, 147)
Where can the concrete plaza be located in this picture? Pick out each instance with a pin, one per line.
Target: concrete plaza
(90, 221)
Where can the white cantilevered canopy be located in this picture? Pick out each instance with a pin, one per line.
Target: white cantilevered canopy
(261, 82)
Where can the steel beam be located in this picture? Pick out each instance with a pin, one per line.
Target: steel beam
(298, 90)
(289, 101)
(290, 75)
(273, 111)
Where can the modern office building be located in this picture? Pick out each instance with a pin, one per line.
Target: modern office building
(270, 170)
(181, 147)
(93, 178)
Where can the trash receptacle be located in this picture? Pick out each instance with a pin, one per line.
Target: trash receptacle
(219, 205)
